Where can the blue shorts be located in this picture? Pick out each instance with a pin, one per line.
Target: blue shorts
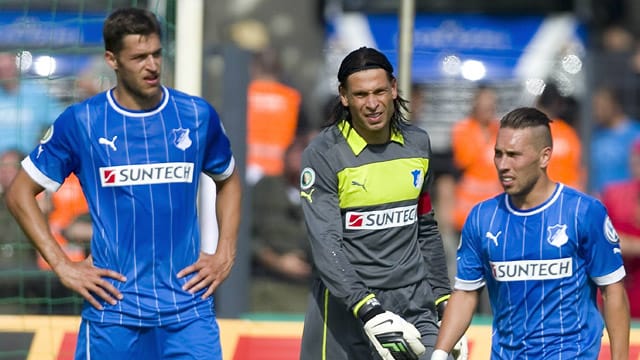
(195, 339)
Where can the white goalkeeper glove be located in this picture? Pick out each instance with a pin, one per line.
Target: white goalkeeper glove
(392, 336)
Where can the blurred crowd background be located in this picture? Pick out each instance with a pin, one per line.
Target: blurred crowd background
(578, 60)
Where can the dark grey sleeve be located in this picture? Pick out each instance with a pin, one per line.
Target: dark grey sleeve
(319, 198)
(433, 252)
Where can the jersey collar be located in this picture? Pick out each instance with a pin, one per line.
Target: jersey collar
(357, 143)
(138, 113)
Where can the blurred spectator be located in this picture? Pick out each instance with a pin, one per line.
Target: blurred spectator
(94, 78)
(281, 269)
(566, 163)
(611, 140)
(473, 141)
(26, 107)
(273, 116)
(617, 39)
(69, 221)
(622, 200)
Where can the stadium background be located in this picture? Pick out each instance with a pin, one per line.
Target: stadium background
(310, 36)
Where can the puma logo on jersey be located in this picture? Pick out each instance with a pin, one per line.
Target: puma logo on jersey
(307, 195)
(493, 238)
(355, 183)
(110, 143)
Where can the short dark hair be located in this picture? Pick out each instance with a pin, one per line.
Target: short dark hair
(366, 58)
(128, 21)
(528, 117)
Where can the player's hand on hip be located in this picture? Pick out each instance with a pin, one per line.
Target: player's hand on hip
(209, 272)
(89, 281)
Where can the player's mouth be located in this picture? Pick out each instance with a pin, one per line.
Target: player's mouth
(374, 117)
(507, 180)
(153, 80)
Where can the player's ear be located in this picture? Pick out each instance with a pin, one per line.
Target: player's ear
(343, 97)
(394, 88)
(110, 59)
(545, 156)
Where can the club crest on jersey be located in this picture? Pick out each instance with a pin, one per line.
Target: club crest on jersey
(181, 138)
(307, 178)
(418, 178)
(610, 232)
(557, 235)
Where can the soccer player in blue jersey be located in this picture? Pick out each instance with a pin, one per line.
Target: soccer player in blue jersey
(542, 249)
(138, 150)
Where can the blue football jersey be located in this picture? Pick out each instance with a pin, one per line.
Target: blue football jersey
(541, 267)
(139, 171)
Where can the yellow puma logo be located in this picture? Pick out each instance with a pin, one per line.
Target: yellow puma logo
(307, 195)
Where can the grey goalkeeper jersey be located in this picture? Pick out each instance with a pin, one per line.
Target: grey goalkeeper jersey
(368, 213)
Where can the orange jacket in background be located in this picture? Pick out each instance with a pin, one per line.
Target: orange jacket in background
(67, 204)
(565, 165)
(473, 152)
(272, 119)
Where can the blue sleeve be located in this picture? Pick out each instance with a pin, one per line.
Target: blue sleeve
(218, 158)
(54, 157)
(600, 245)
(471, 273)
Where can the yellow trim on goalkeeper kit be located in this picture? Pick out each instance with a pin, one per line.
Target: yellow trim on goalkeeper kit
(373, 184)
(324, 324)
(360, 303)
(442, 299)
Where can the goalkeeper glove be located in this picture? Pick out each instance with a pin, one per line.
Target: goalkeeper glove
(392, 336)
(460, 350)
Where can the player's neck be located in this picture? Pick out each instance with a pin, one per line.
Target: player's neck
(541, 192)
(132, 101)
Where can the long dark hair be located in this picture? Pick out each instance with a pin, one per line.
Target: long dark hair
(366, 58)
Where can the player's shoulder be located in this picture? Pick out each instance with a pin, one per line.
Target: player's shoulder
(415, 136)
(411, 130)
(574, 194)
(83, 108)
(181, 95)
(495, 202)
(325, 140)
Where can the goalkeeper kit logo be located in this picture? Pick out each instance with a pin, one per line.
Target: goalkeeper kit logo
(381, 219)
(164, 173)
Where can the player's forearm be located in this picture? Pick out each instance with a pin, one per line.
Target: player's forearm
(22, 204)
(616, 316)
(457, 318)
(433, 251)
(629, 244)
(228, 213)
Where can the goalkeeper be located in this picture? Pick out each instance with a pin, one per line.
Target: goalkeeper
(378, 257)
